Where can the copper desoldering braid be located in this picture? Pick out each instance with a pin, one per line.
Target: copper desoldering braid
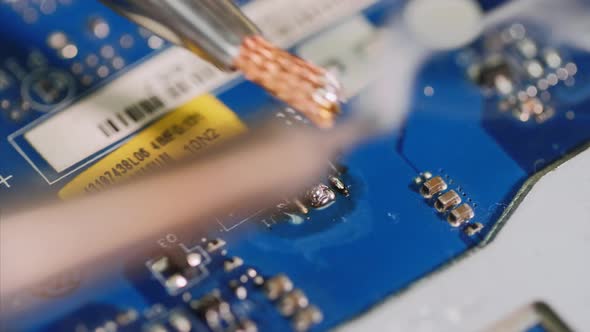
(304, 86)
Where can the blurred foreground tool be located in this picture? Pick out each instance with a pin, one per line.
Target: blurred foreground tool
(252, 172)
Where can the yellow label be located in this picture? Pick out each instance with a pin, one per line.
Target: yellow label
(197, 125)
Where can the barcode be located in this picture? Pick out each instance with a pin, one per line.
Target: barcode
(136, 113)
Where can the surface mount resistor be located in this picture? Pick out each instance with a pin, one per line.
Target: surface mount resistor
(292, 301)
(460, 215)
(447, 201)
(277, 286)
(432, 187)
(306, 318)
(473, 228)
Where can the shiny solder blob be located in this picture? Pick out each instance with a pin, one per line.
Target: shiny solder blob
(320, 196)
(309, 89)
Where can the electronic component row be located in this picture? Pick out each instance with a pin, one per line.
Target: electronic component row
(521, 72)
(447, 201)
(178, 269)
(292, 302)
(317, 197)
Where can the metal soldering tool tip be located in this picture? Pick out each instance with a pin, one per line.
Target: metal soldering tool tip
(309, 89)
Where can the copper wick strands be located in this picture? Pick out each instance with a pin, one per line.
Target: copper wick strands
(309, 89)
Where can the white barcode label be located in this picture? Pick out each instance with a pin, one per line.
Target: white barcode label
(70, 138)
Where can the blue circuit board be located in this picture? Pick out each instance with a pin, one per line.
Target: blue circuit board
(481, 142)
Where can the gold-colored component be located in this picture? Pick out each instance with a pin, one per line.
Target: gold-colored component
(241, 292)
(258, 281)
(309, 89)
(157, 328)
(460, 215)
(180, 322)
(232, 263)
(306, 318)
(215, 245)
(161, 264)
(447, 201)
(252, 273)
(277, 286)
(176, 281)
(246, 326)
(127, 317)
(433, 186)
(530, 107)
(473, 229)
(292, 302)
(194, 259)
(421, 178)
